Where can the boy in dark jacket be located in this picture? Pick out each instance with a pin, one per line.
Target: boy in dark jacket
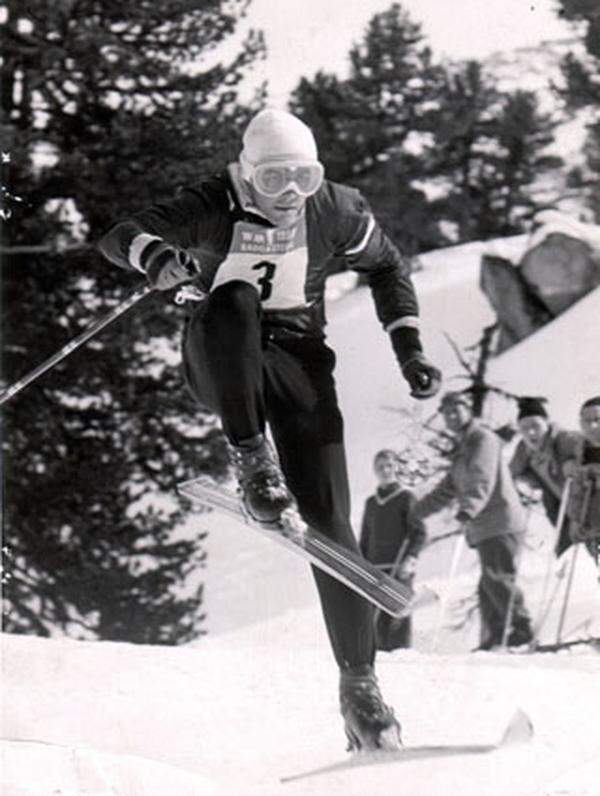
(391, 537)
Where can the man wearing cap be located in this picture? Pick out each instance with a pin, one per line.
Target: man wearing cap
(491, 514)
(262, 237)
(540, 458)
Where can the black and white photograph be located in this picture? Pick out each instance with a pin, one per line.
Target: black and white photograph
(300, 393)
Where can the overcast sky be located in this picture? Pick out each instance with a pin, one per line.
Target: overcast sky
(306, 35)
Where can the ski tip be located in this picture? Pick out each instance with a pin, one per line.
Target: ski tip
(518, 730)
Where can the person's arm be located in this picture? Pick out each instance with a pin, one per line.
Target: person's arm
(519, 463)
(368, 250)
(525, 479)
(417, 534)
(155, 241)
(569, 448)
(442, 494)
(415, 539)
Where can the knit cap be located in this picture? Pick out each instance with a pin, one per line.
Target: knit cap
(531, 407)
(278, 135)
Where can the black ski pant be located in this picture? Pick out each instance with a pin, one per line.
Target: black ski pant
(497, 588)
(252, 373)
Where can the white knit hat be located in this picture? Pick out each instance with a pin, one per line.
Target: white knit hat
(278, 135)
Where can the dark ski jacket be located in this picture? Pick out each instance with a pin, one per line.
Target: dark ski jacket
(389, 524)
(339, 228)
(480, 482)
(544, 469)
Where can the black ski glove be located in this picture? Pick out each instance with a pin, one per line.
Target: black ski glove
(423, 378)
(166, 267)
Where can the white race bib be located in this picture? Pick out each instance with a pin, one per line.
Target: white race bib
(273, 260)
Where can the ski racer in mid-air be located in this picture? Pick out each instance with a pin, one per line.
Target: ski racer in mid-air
(259, 240)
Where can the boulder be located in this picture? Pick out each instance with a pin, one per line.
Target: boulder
(560, 266)
(518, 310)
(560, 270)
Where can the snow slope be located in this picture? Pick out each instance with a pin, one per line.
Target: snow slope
(235, 714)
(255, 700)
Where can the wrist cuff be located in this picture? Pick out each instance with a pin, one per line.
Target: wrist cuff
(406, 343)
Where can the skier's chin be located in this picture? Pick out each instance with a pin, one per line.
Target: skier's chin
(285, 216)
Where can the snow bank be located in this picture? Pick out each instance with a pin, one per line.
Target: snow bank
(38, 768)
(233, 715)
(550, 222)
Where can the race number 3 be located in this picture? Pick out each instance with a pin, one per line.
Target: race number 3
(266, 280)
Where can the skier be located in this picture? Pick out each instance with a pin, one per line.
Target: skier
(392, 538)
(539, 460)
(262, 236)
(490, 512)
(583, 507)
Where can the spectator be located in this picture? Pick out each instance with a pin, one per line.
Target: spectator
(583, 507)
(491, 514)
(539, 460)
(391, 537)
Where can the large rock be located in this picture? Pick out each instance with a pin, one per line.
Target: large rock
(560, 270)
(519, 312)
(559, 267)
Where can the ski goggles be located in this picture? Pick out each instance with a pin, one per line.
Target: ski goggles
(274, 178)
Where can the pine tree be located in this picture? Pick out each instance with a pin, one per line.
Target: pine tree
(523, 135)
(488, 148)
(106, 108)
(365, 124)
(582, 75)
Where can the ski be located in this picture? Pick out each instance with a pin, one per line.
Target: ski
(518, 730)
(385, 592)
(592, 642)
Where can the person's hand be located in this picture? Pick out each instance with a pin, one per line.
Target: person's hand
(423, 378)
(529, 496)
(408, 567)
(168, 267)
(570, 468)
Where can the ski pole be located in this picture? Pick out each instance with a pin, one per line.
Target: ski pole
(82, 338)
(545, 604)
(441, 536)
(456, 556)
(563, 612)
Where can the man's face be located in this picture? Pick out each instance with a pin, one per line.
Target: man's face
(456, 416)
(280, 188)
(533, 430)
(283, 210)
(590, 424)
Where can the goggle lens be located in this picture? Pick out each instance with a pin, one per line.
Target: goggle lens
(272, 179)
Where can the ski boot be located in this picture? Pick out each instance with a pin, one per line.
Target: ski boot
(369, 723)
(264, 492)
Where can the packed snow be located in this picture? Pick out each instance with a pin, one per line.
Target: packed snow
(255, 700)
